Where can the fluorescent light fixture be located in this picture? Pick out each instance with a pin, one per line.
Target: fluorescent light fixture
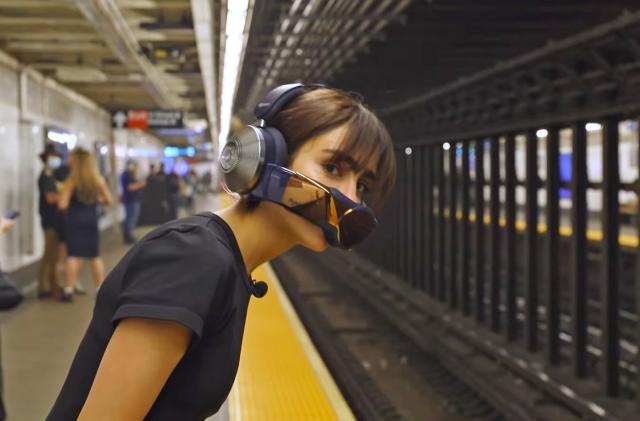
(593, 127)
(61, 137)
(203, 24)
(542, 133)
(307, 10)
(446, 146)
(174, 151)
(295, 6)
(298, 27)
(197, 124)
(121, 151)
(237, 11)
(408, 151)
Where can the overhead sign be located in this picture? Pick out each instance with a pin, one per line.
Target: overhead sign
(147, 119)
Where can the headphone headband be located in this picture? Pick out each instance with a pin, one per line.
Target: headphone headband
(279, 97)
(276, 100)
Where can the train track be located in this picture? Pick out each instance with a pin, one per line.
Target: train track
(418, 386)
(517, 384)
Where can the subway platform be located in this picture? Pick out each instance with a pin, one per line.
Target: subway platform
(281, 375)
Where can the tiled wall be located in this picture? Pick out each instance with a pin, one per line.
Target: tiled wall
(22, 138)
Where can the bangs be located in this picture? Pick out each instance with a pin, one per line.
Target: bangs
(366, 141)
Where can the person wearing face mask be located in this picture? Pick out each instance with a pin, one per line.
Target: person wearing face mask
(50, 220)
(164, 341)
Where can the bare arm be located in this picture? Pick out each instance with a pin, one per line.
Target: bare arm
(65, 195)
(138, 360)
(51, 197)
(137, 185)
(105, 194)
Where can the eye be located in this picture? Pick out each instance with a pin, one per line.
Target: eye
(362, 188)
(331, 169)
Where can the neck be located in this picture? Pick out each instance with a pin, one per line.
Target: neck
(260, 232)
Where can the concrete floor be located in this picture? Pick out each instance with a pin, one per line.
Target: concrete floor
(40, 338)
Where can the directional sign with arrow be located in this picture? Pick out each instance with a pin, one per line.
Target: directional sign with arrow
(147, 119)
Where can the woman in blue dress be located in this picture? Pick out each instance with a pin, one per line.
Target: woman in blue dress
(81, 194)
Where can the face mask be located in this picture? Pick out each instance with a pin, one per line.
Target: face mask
(54, 162)
(344, 222)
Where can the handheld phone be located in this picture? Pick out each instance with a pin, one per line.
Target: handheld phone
(12, 214)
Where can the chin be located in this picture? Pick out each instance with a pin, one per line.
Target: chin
(318, 246)
(313, 238)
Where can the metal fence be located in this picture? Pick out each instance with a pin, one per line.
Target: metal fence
(546, 276)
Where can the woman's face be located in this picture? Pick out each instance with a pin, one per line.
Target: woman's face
(315, 159)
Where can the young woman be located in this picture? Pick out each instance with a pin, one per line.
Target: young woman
(164, 342)
(81, 193)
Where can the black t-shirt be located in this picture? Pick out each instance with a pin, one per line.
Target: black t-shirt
(49, 214)
(129, 196)
(189, 271)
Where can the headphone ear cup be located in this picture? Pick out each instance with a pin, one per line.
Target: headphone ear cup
(276, 147)
(241, 157)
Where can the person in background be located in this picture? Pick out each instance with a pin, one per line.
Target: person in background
(79, 198)
(173, 193)
(13, 298)
(131, 199)
(51, 222)
(61, 173)
(152, 170)
(190, 182)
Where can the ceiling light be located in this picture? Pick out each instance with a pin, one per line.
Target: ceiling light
(446, 146)
(298, 27)
(542, 133)
(203, 24)
(237, 12)
(593, 127)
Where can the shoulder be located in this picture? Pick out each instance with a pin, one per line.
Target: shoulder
(190, 236)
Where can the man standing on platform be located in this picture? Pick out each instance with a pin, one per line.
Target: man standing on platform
(51, 221)
(131, 198)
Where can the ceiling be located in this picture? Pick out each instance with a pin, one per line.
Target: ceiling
(391, 51)
(119, 53)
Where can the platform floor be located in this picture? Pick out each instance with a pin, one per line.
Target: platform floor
(281, 376)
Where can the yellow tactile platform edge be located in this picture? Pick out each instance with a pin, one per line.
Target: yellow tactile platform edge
(624, 240)
(281, 376)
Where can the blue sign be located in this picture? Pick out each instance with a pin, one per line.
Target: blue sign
(174, 151)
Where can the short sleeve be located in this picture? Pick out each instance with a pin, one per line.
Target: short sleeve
(48, 185)
(124, 180)
(173, 276)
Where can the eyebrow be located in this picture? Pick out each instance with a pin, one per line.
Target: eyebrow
(343, 157)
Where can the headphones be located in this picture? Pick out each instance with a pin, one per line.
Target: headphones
(253, 163)
(247, 153)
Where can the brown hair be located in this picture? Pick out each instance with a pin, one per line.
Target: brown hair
(85, 176)
(322, 109)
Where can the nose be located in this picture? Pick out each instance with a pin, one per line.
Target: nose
(349, 187)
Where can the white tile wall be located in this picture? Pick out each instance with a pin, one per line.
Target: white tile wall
(22, 138)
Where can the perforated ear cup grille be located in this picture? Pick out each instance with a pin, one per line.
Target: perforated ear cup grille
(242, 158)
